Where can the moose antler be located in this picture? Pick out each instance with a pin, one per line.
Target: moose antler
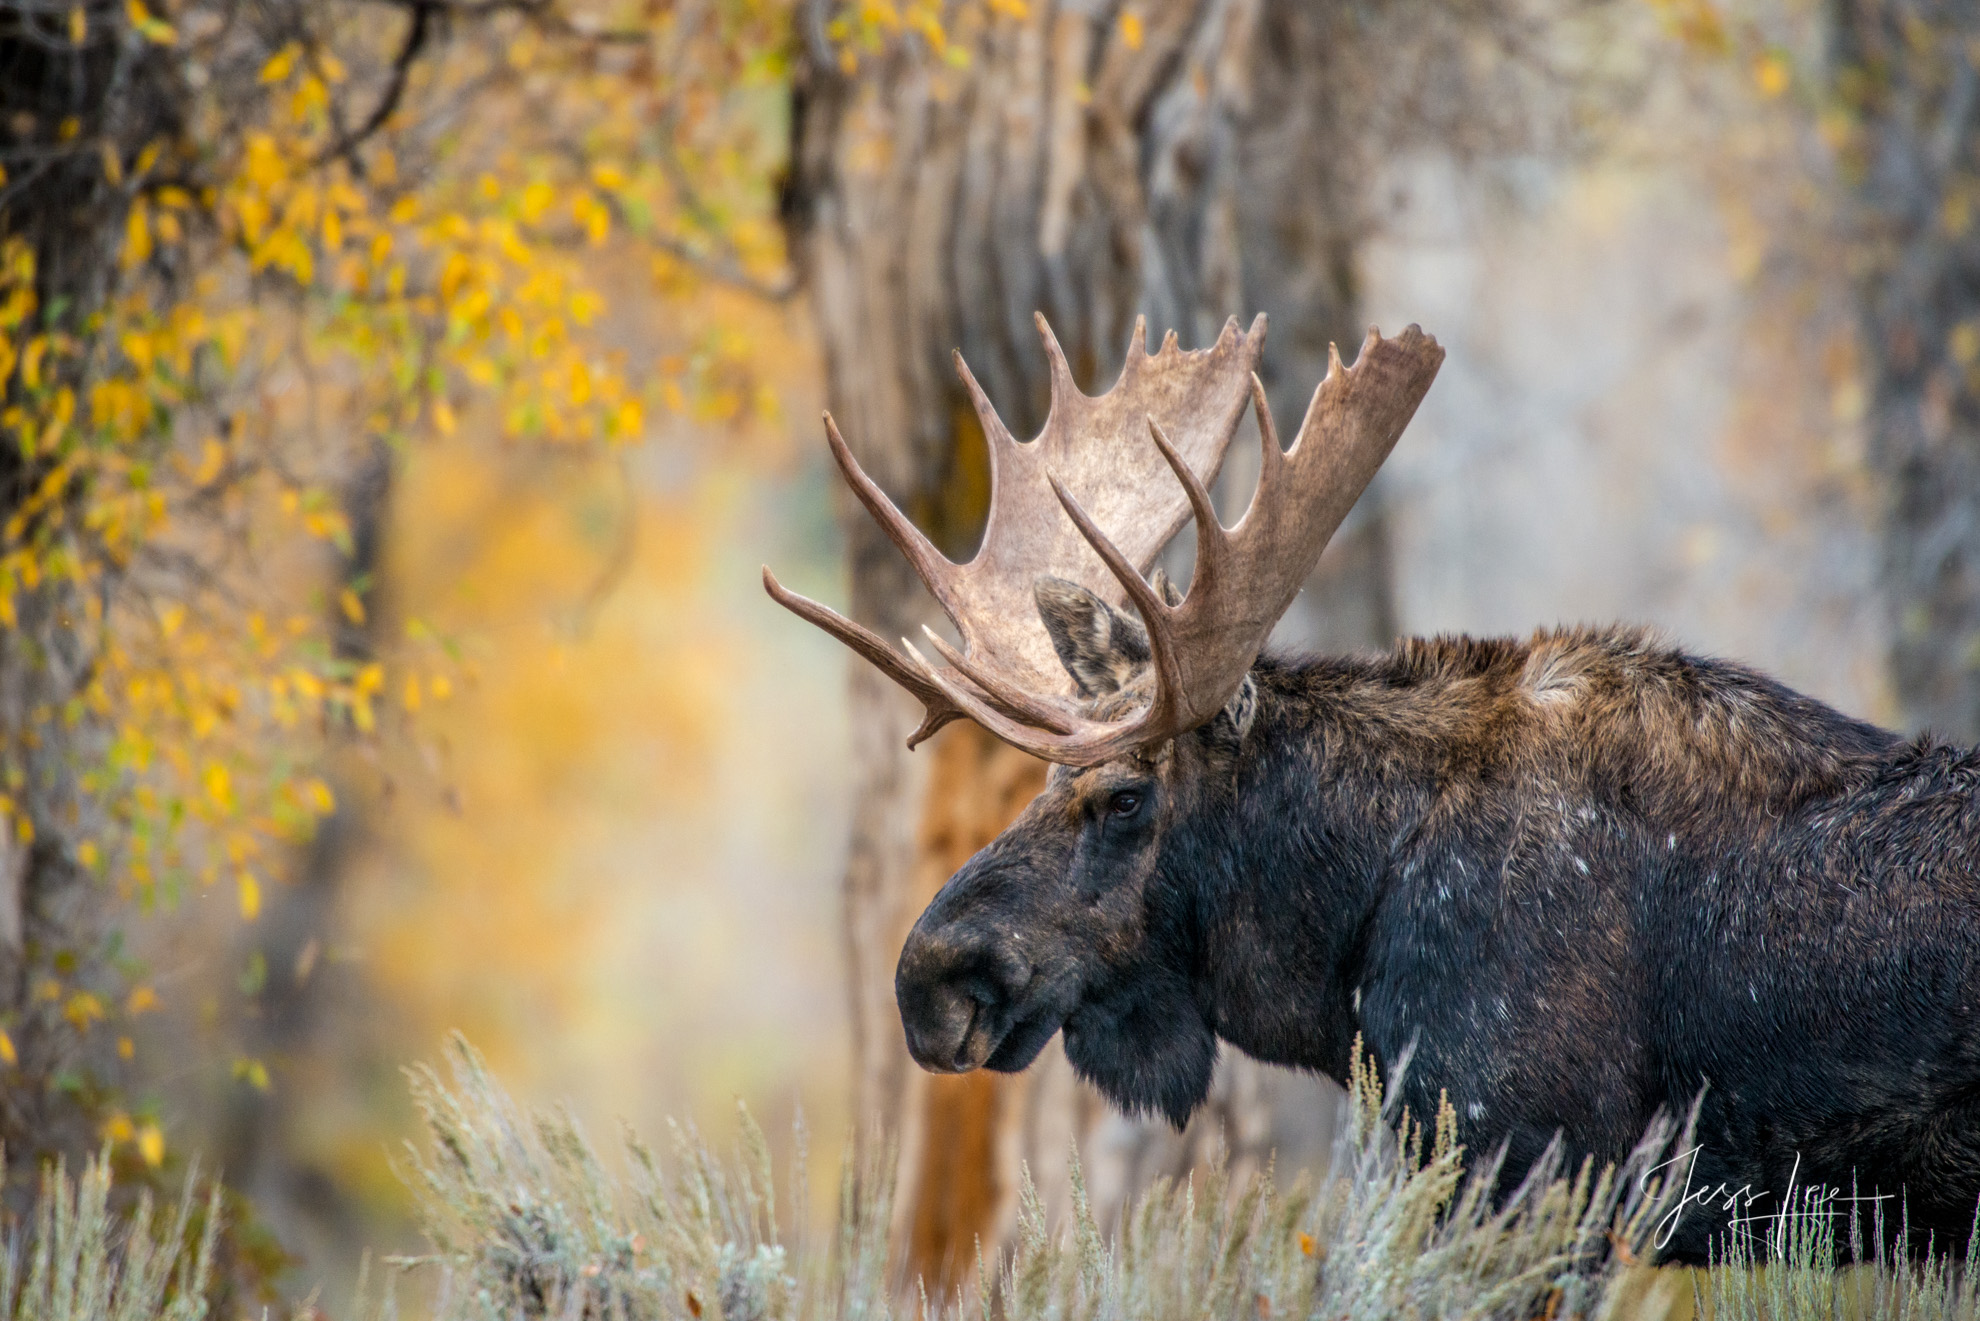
(1087, 443)
(1006, 676)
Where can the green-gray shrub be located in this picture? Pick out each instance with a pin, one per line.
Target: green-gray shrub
(77, 1260)
(527, 1224)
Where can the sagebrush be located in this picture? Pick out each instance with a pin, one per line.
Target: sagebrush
(526, 1222)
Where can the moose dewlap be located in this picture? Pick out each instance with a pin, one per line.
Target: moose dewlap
(1574, 881)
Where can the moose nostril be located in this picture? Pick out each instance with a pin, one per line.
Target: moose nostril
(961, 1061)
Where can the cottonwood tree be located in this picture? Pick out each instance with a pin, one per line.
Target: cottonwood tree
(1185, 162)
(1905, 112)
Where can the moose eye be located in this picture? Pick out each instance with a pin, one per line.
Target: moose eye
(1124, 804)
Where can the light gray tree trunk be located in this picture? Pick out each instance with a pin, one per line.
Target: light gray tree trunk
(1906, 69)
(1197, 169)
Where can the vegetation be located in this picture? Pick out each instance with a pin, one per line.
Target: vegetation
(251, 260)
(526, 1220)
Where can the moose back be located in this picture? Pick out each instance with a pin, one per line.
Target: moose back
(1577, 879)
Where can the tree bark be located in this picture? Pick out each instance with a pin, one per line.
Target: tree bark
(63, 111)
(1190, 170)
(286, 1021)
(1907, 70)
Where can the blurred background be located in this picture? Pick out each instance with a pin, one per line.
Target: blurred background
(401, 397)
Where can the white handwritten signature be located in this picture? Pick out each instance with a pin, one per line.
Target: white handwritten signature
(1742, 1219)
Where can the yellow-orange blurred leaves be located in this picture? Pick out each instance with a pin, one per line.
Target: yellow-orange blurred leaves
(249, 887)
(83, 1008)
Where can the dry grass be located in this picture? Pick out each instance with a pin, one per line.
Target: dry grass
(528, 1224)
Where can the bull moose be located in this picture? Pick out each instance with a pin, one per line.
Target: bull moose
(1583, 877)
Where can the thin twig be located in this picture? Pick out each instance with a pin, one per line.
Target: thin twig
(395, 88)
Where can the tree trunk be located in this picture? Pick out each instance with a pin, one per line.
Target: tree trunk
(1907, 69)
(286, 1022)
(63, 112)
(1189, 168)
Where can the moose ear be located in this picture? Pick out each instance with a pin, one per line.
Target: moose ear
(1233, 722)
(1099, 647)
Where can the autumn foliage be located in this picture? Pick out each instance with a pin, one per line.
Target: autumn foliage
(314, 238)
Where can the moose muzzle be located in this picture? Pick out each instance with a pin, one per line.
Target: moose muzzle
(969, 998)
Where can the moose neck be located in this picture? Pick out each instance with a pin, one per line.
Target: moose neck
(1350, 765)
(1333, 772)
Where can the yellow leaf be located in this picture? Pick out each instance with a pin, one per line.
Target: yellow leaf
(82, 1009)
(593, 215)
(442, 687)
(443, 417)
(1131, 30)
(126, 1048)
(119, 1128)
(78, 25)
(353, 608)
(320, 798)
(626, 422)
(280, 65)
(7, 1052)
(142, 999)
(219, 786)
(137, 234)
(212, 458)
(411, 697)
(250, 889)
(151, 1145)
(155, 30)
(87, 854)
(252, 1072)
(1771, 74)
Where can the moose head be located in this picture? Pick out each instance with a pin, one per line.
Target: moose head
(1089, 914)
